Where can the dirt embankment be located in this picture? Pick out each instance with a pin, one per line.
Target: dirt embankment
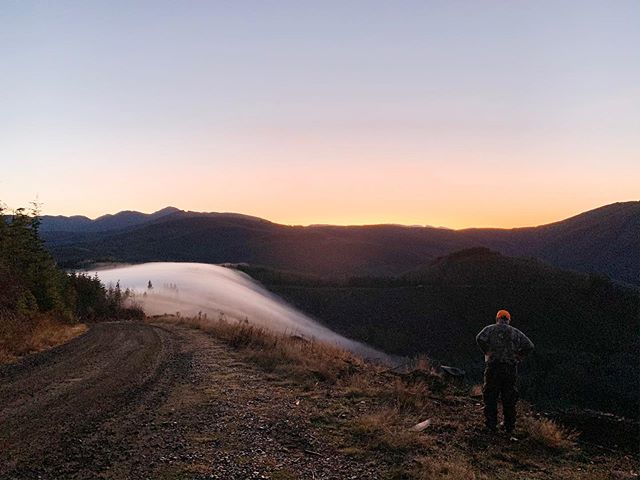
(23, 335)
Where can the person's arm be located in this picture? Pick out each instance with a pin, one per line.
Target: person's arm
(482, 339)
(525, 346)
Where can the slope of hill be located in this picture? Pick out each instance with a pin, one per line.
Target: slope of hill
(229, 401)
(585, 327)
(605, 240)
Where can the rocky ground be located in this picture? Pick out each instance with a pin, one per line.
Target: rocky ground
(130, 400)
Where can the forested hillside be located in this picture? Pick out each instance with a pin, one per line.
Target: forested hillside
(41, 304)
(584, 326)
(605, 240)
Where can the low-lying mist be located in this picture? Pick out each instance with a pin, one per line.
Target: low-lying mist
(215, 292)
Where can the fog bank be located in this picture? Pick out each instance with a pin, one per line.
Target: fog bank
(194, 289)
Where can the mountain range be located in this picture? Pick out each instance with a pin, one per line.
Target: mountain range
(423, 290)
(605, 241)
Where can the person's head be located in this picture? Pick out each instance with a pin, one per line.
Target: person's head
(503, 317)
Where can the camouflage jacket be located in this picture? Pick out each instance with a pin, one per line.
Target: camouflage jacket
(503, 343)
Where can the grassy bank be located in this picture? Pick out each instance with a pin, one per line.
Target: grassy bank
(372, 414)
(24, 335)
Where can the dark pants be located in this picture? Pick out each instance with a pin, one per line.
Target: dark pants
(500, 382)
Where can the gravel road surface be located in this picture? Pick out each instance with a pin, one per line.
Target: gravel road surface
(135, 401)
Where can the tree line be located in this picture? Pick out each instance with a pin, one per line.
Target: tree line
(31, 282)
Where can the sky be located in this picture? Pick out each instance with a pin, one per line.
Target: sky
(447, 113)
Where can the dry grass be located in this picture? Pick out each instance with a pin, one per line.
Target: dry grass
(408, 396)
(292, 355)
(399, 402)
(422, 363)
(49, 333)
(431, 468)
(409, 391)
(387, 430)
(476, 390)
(371, 410)
(21, 335)
(361, 384)
(550, 435)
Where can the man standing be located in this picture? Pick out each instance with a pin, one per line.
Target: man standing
(504, 347)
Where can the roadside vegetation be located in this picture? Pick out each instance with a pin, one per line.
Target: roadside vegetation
(41, 305)
(420, 423)
(293, 356)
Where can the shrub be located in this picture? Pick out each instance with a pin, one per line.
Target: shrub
(386, 430)
(549, 434)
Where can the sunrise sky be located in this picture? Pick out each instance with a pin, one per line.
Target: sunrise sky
(448, 113)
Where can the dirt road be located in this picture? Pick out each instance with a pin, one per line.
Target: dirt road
(131, 400)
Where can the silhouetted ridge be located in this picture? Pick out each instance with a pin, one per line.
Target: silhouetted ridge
(605, 240)
(467, 253)
(481, 265)
(105, 223)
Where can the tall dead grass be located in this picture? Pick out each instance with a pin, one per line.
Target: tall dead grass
(400, 401)
(549, 434)
(388, 430)
(432, 468)
(293, 355)
(21, 335)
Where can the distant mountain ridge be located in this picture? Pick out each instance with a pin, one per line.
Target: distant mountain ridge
(120, 220)
(605, 240)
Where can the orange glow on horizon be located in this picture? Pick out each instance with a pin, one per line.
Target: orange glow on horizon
(503, 220)
(460, 116)
(351, 187)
